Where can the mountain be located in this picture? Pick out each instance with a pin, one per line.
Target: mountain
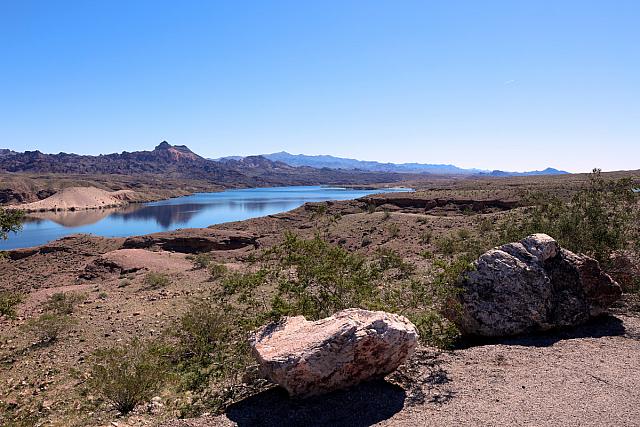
(178, 161)
(547, 171)
(331, 162)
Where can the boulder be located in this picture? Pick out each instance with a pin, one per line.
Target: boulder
(531, 285)
(310, 358)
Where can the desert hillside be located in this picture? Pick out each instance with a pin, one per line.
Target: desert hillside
(80, 298)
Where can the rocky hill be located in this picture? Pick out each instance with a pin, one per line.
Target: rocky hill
(332, 162)
(178, 161)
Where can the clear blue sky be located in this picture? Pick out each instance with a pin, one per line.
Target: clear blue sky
(514, 85)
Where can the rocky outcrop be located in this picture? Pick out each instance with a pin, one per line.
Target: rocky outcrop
(310, 358)
(408, 201)
(532, 285)
(124, 261)
(192, 240)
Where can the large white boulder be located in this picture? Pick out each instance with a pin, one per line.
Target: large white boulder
(310, 358)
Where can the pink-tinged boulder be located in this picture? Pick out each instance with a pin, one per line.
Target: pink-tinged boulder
(310, 358)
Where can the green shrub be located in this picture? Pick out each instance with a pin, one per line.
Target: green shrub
(598, 220)
(216, 271)
(394, 230)
(447, 245)
(63, 303)
(425, 237)
(201, 260)
(49, 326)
(128, 375)
(8, 303)
(156, 280)
(434, 329)
(327, 278)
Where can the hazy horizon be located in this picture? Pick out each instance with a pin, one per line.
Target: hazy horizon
(486, 85)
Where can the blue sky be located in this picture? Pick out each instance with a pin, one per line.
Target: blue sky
(514, 85)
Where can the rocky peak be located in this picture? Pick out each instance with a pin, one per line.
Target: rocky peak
(175, 152)
(164, 145)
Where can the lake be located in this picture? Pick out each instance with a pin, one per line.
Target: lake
(195, 211)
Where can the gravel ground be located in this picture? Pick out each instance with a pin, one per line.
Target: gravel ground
(587, 377)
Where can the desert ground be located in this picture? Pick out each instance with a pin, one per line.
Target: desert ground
(583, 376)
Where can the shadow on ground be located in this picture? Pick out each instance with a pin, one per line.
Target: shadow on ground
(360, 406)
(598, 327)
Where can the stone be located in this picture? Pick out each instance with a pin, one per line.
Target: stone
(309, 358)
(530, 286)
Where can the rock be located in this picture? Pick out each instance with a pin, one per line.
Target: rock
(310, 358)
(125, 261)
(192, 240)
(532, 285)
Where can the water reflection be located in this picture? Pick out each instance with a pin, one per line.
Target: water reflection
(198, 210)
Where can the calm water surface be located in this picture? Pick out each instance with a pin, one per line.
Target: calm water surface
(197, 210)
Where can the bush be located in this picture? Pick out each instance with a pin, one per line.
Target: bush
(49, 326)
(201, 260)
(8, 303)
(128, 375)
(597, 221)
(394, 230)
(156, 280)
(216, 271)
(316, 279)
(63, 303)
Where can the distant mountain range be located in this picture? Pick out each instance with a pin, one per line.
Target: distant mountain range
(331, 162)
(178, 161)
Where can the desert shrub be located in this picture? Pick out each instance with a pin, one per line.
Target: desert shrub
(435, 329)
(63, 303)
(486, 225)
(387, 259)
(598, 220)
(211, 343)
(156, 280)
(202, 260)
(128, 375)
(317, 279)
(425, 237)
(464, 234)
(49, 326)
(8, 303)
(10, 221)
(394, 230)
(386, 215)
(423, 220)
(217, 271)
(446, 245)
(371, 208)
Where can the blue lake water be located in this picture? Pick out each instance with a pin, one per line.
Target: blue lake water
(195, 211)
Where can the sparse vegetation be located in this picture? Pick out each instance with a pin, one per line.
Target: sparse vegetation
(49, 326)
(156, 280)
(8, 302)
(63, 303)
(128, 375)
(202, 260)
(598, 220)
(217, 271)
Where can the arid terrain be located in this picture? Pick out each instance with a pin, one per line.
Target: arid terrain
(583, 376)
